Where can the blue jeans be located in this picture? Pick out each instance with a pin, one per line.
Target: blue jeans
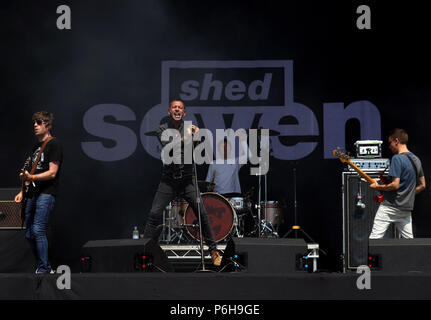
(37, 213)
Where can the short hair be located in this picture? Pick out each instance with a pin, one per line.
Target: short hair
(45, 116)
(401, 134)
(170, 103)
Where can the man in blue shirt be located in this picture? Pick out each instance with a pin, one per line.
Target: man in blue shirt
(406, 180)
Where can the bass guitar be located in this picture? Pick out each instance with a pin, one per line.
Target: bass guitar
(346, 159)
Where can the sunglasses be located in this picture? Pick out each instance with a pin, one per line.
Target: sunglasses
(39, 122)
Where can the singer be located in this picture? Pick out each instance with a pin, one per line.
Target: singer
(178, 180)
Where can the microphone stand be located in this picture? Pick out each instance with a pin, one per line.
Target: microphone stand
(198, 202)
(296, 227)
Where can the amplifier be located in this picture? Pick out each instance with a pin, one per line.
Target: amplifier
(10, 215)
(369, 148)
(370, 165)
(10, 211)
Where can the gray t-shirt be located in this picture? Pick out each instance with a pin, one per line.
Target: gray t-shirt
(401, 167)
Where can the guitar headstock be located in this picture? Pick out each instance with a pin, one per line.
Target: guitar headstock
(26, 164)
(342, 156)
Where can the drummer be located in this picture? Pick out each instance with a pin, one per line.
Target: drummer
(224, 177)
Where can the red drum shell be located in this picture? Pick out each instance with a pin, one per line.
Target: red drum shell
(220, 213)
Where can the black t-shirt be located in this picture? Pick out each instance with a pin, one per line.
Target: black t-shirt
(53, 152)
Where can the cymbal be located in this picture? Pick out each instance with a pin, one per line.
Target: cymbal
(270, 132)
(151, 133)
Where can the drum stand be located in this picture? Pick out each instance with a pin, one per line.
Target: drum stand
(170, 233)
(264, 226)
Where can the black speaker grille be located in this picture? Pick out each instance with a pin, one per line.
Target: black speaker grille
(358, 221)
(10, 215)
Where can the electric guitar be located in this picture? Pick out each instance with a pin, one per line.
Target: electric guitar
(346, 159)
(24, 189)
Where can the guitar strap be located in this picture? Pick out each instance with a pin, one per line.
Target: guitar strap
(413, 164)
(33, 169)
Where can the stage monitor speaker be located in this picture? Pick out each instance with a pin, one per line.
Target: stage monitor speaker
(359, 209)
(400, 255)
(124, 255)
(264, 255)
(10, 211)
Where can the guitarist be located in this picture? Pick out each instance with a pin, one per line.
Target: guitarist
(406, 180)
(42, 184)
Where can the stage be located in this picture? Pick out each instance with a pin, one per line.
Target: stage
(216, 286)
(253, 269)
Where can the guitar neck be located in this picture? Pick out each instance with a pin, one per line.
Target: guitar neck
(361, 173)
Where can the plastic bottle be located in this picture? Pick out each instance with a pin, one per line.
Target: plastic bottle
(135, 233)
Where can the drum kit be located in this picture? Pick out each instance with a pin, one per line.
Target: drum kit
(236, 216)
(233, 216)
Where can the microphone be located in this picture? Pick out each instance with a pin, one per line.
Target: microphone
(360, 204)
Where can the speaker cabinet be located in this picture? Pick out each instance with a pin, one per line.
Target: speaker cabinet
(359, 210)
(265, 255)
(124, 255)
(10, 211)
(401, 255)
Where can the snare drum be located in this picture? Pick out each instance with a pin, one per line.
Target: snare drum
(271, 212)
(220, 213)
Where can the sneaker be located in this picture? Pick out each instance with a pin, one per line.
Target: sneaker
(50, 272)
(216, 258)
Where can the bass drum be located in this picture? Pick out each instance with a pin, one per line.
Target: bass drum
(220, 213)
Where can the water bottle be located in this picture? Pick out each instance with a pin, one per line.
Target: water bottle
(135, 233)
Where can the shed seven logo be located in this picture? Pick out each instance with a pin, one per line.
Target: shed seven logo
(230, 95)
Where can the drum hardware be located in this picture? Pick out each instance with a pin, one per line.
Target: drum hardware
(243, 207)
(173, 230)
(272, 217)
(264, 227)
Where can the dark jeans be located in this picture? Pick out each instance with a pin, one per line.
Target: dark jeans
(168, 189)
(37, 213)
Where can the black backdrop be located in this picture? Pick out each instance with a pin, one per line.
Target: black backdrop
(114, 52)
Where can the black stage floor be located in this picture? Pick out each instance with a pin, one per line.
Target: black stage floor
(216, 286)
